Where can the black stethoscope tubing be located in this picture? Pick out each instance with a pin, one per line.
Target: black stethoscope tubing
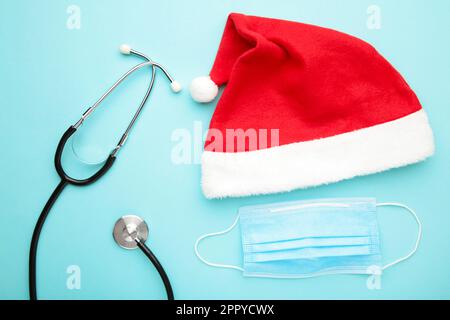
(68, 180)
(65, 180)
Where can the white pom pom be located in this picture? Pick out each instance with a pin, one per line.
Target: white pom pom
(203, 89)
(176, 86)
(125, 49)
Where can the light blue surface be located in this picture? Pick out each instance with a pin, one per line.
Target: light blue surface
(50, 75)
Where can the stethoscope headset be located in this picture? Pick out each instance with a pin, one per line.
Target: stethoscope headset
(130, 231)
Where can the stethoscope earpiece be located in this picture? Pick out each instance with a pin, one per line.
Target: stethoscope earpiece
(125, 49)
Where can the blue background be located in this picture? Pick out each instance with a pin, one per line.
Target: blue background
(51, 74)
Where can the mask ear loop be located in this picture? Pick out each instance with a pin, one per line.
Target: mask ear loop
(214, 234)
(419, 233)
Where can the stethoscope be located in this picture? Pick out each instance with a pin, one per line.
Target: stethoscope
(133, 230)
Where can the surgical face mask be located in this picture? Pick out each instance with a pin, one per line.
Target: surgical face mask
(310, 238)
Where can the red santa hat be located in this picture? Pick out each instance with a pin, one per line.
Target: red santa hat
(303, 106)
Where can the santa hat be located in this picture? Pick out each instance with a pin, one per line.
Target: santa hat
(303, 106)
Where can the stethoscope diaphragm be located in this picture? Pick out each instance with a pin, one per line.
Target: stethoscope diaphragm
(128, 229)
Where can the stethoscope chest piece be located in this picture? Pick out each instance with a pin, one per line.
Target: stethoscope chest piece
(128, 229)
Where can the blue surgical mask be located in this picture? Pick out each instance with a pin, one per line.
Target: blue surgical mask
(310, 238)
